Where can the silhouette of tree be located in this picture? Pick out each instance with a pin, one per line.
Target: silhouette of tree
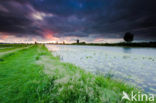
(128, 37)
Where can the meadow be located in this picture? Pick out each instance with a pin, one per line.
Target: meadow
(31, 74)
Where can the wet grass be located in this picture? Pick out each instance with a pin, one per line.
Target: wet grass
(33, 75)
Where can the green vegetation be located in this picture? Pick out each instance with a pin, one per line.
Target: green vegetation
(33, 75)
(8, 47)
(20, 78)
(14, 45)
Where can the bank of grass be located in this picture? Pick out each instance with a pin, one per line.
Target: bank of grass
(33, 75)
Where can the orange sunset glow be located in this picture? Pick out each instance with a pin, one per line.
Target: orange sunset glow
(4, 36)
(48, 35)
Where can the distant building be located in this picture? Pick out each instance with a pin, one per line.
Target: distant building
(77, 41)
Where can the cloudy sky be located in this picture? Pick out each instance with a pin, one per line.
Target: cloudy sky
(68, 20)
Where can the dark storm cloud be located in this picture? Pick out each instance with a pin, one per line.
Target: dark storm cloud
(15, 18)
(81, 18)
(122, 16)
(108, 18)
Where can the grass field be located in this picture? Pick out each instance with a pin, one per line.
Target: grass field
(33, 75)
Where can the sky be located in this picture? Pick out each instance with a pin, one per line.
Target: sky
(69, 20)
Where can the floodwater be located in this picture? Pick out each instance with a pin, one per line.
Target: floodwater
(133, 65)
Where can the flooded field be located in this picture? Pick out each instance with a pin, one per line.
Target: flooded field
(133, 65)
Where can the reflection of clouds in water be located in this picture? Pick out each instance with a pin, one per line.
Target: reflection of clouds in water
(138, 69)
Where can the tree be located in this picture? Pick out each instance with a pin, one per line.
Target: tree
(128, 37)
